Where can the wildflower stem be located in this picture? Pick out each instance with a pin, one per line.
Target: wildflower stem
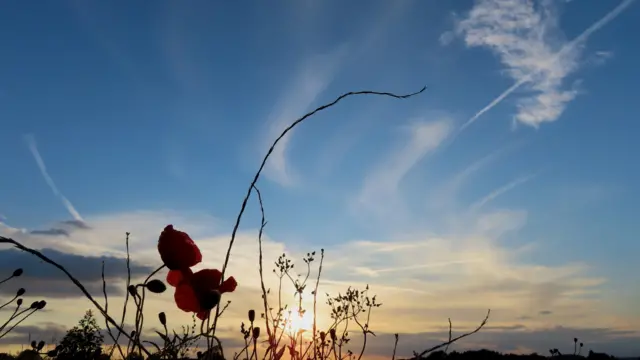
(126, 296)
(18, 323)
(106, 309)
(271, 149)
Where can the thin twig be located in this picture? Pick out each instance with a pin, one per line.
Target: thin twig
(263, 223)
(447, 348)
(315, 307)
(395, 347)
(126, 296)
(106, 309)
(75, 281)
(266, 157)
(484, 322)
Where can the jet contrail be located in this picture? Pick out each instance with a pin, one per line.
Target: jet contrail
(567, 47)
(31, 143)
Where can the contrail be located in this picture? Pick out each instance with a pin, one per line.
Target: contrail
(494, 194)
(569, 46)
(31, 143)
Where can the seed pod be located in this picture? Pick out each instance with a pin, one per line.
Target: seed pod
(256, 332)
(34, 305)
(40, 345)
(210, 299)
(156, 286)
(19, 302)
(41, 304)
(252, 315)
(332, 333)
(20, 292)
(17, 272)
(163, 318)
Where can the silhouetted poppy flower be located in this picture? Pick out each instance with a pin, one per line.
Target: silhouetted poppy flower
(177, 250)
(175, 277)
(200, 292)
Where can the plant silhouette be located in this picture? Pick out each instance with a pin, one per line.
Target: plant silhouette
(83, 341)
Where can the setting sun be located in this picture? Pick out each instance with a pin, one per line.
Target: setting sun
(299, 323)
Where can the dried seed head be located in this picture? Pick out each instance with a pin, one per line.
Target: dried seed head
(332, 333)
(323, 335)
(163, 318)
(17, 272)
(156, 286)
(256, 332)
(252, 315)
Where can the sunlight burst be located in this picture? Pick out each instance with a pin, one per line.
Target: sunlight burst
(299, 322)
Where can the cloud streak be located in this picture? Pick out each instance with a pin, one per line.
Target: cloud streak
(525, 39)
(312, 79)
(500, 191)
(381, 185)
(31, 143)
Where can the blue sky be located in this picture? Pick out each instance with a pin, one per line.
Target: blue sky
(519, 154)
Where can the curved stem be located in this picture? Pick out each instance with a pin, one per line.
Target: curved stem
(271, 149)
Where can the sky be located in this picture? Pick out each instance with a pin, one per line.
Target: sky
(507, 184)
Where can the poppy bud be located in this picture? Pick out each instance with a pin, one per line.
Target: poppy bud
(252, 315)
(163, 318)
(581, 344)
(20, 292)
(19, 302)
(210, 299)
(575, 340)
(52, 353)
(332, 333)
(34, 305)
(133, 333)
(323, 335)
(132, 290)
(256, 332)
(17, 272)
(41, 304)
(156, 286)
(40, 345)
(34, 345)
(177, 250)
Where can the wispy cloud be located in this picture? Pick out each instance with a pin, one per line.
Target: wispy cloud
(500, 191)
(381, 185)
(531, 46)
(311, 80)
(31, 143)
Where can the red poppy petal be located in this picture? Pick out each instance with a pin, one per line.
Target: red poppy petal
(186, 299)
(175, 277)
(229, 285)
(203, 315)
(206, 279)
